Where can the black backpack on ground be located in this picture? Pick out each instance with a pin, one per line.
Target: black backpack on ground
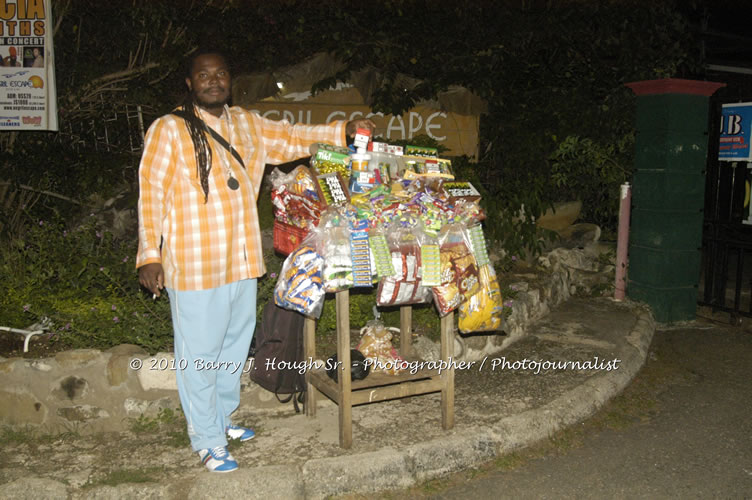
(279, 357)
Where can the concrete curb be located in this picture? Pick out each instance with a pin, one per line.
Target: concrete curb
(391, 469)
(582, 402)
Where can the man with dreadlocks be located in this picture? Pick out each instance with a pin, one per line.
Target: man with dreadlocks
(199, 238)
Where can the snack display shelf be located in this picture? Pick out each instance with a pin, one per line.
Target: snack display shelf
(377, 387)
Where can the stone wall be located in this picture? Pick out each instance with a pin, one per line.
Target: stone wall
(565, 272)
(88, 390)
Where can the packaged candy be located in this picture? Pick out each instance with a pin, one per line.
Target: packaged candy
(300, 286)
(332, 189)
(361, 262)
(327, 159)
(460, 190)
(286, 237)
(382, 147)
(336, 248)
(459, 270)
(299, 181)
(483, 312)
(415, 166)
(295, 198)
(467, 212)
(382, 258)
(376, 346)
(421, 151)
(387, 164)
(405, 286)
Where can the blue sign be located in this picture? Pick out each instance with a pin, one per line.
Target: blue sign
(736, 131)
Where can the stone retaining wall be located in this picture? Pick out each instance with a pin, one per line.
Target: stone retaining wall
(88, 390)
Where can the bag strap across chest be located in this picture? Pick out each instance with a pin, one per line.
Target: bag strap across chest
(215, 135)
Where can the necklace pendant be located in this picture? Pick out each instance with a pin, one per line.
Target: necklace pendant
(233, 183)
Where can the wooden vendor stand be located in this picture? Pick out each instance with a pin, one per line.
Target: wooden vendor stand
(378, 386)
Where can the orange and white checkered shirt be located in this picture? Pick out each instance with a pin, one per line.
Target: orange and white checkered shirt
(207, 245)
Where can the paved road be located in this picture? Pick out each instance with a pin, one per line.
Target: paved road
(683, 429)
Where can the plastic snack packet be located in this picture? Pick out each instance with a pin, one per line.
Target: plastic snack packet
(376, 346)
(300, 286)
(336, 249)
(405, 286)
(459, 270)
(483, 312)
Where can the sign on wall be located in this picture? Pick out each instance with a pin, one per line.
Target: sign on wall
(28, 99)
(458, 133)
(736, 126)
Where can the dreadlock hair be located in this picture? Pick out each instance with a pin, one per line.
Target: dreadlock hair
(201, 147)
(195, 125)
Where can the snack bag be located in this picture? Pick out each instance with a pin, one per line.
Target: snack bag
(336, 249)
(483, 312)
(467, 212)
(376, 346)
(405, 286)
(459, 270)
(295, 197)
(300, 286)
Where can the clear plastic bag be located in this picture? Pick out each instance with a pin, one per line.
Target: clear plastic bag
(295, 198)
(483, 312)
(405, 286)
(300, 286)
(459, 270)
(335, 248)
(376, 346)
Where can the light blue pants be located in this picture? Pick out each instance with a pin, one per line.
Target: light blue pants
(213, 331)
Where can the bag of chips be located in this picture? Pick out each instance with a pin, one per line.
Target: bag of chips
(483, 312)
(459, 270)
(300, 286)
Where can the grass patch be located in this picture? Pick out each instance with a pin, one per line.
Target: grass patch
(178, 439)
(123, 476)
(509, 461)
(31, 436)
(169, 422)
(165, 418)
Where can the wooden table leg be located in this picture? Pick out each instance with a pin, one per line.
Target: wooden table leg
(344, 381)
(406, 334)
(447, 355)
(309, 350)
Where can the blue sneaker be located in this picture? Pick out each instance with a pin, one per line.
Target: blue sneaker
(218, 459)
(240, 433)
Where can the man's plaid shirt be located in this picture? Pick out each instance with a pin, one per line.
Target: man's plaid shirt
(213, 243)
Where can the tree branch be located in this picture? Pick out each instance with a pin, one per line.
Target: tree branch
(132, 72)
(60, 16)
(42, 191)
